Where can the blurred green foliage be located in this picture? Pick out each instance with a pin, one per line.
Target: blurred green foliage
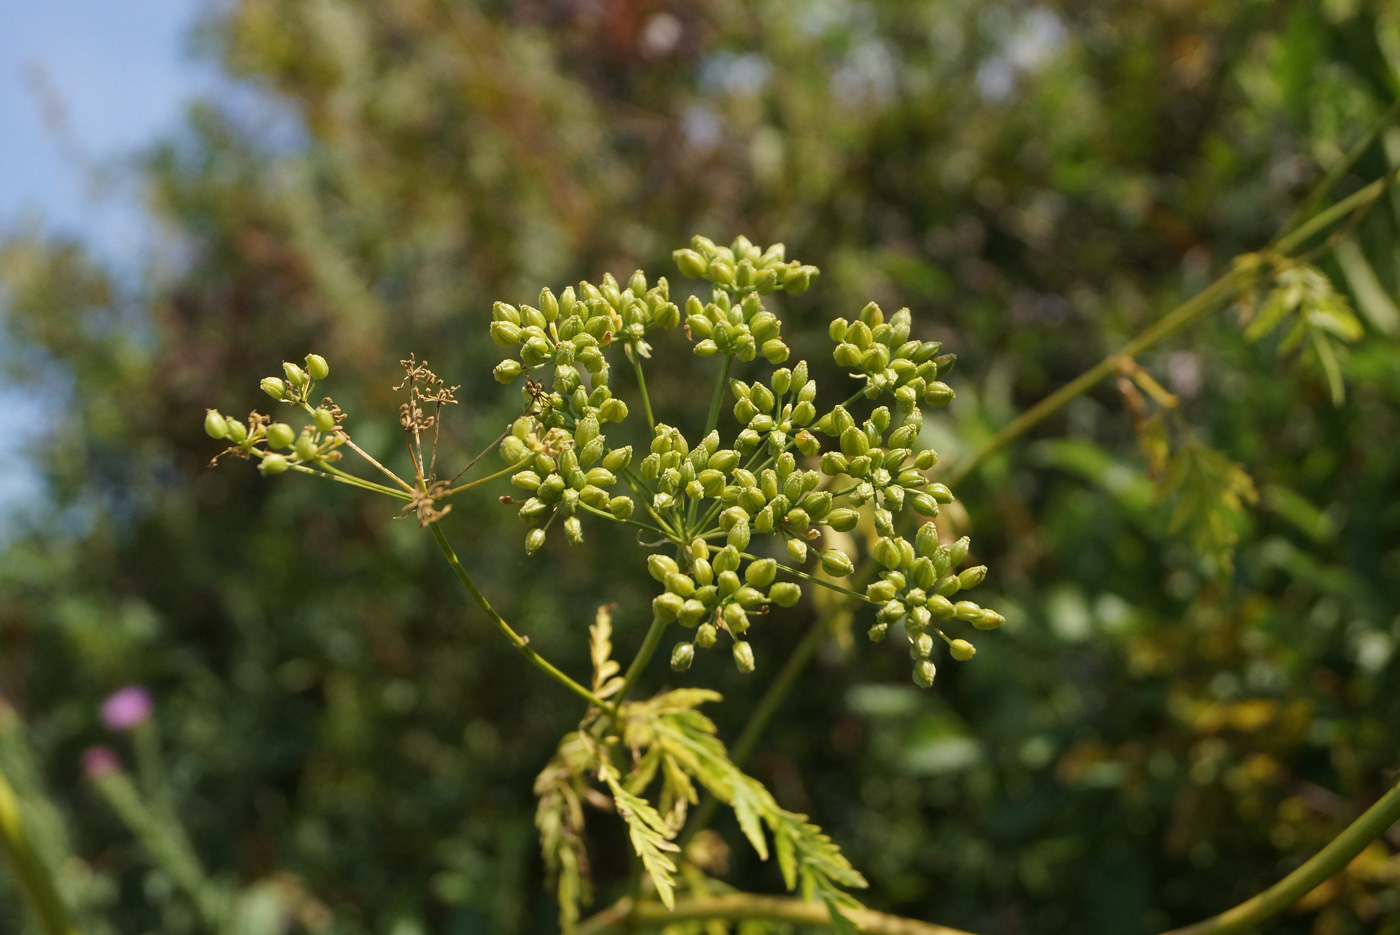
(1153, 736)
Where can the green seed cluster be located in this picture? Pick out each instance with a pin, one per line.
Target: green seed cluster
(573, 329)
(916, 588)
(778, 477)
(889, 361)
(264, 439)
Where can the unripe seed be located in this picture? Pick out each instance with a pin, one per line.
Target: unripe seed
(306, 449)
(967, 610)
(661, 565)
(842, 519)
(924, 671)
(273, 387)
(533, 540)
(743, 657)
(706, 636)
(877, 632)
(573, 530)
(678, 583)
(761, 573)
(989, 620)
(507, 371)
(972, 577)
(324, 419)
(785, 593)
(836, 562)
(880, 591)
(273, 464)
(958, 552)
(692, 612)
(941, 607)
(295, 375)
(727, 559)
(739, 535)
(317, 367)
(962, 650)
(921, 647)
(797, 550)
(621, 507)
(728, 583)
(214, 424)
(703, 572)
(682, 656)
(618, 459)
(666, 606)
(887, 553)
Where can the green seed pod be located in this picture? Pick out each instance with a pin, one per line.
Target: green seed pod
(692, 265)
(706, 636)
(847, 356)
(940, 492)
(621, 507)
(921, 646)
(958, 552)
(533, 509)
(877, 632)
(728, 582)
(662, 502)
(735, 618)
(273, 464)
(682, 656)
(533, 540)
(586, 430)
(500, 311)
(837, 329)
(887, 553)
(924, 503)
(316, 367)
(833, 463)
(692, 612)
(703, 572)
(972, 577)
(763, 519)
(725, 460)
(924, 671)
(659, 566)
(837, 563)
(727, 559)
(797, 550)
(573, 530)
(781, 381)
(842, 519)
(880, 592)
(589, 454)
(938, 394)
(807, 443)
(666, 606)
(989, 620)
(748, 597)
(214, 424)
(785, 593)
(273, 387)
(678, 583)
(280, 435)
(926, 540)
(612, 410)
(505, 334)
(854, 442)
(967, 610)
(922, 574)
(743, 657)
(507, 371)
(306, 449)
(941, 607)
(891, 611)
(595, 497)
(739, 535)
(324, 420)
(948, 585)
(618, 459)
(295, 375)
(600, 477)
(761, 573)
(962, 650)
(237, 431)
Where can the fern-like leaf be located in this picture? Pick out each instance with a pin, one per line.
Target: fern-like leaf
(650, 834)
(1208, 492)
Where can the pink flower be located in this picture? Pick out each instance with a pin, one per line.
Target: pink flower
(99, 761)
(127, 708)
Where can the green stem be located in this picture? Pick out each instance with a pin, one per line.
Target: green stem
(165, 841)
(519, 642)
(31, 873)
(639, 662)
(628, 915)
(519, 465)
(712, 419)
(642, 384)
(330, 472)
(629, 522)
(1332, 859)
(1178, 318)
(350, 442)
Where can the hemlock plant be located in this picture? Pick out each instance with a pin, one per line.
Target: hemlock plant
(734, 525)
(734, 521)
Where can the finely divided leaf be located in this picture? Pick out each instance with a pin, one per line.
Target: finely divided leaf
(650, 837)
(1208, 492)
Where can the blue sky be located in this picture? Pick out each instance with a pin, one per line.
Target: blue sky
(119, 75)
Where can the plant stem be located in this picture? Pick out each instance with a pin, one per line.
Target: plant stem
(519, 465)
(31, 873)
(1202, 303)
(642, 384)
(639, 662)
(336, 474)
(350, 442)
(627, 915)
(165, 841)
(1330, 860)
(519, 642)
(712, 419)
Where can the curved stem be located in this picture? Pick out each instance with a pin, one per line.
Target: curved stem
(639, 661)
(519, 465)
(30, 872)
(1330, 860)
(627, 915)
(519, 642)
(1184, 314)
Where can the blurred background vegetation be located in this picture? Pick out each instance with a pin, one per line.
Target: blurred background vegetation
(1154, 735)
